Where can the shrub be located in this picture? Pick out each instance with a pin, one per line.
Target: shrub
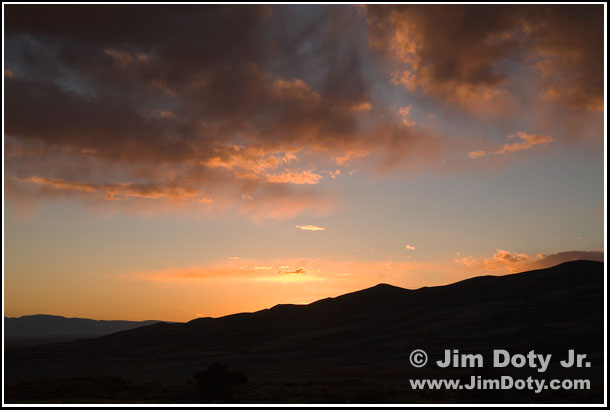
(217, 381)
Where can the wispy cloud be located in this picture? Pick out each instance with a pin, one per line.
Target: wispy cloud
(310, 228)
(299, 177)
(358, 273)
(477, 154)
(409, 247)
(298, 271)
(525, 142)
(528, 141)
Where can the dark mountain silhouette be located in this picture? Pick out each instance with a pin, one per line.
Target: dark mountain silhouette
(36, 329)
(366, 335)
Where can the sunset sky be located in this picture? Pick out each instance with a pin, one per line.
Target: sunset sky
(172, 162)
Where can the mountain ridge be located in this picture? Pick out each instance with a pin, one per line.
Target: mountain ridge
(367, 333)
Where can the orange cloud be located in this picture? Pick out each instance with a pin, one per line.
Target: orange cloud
(310, 228)
(256, 201)
(362, 106)
(545, 67)
(511, 262)
(295, 89)
(253, 159)
(550, 94)
(409, 247)
(477, 154)
(120, 190)
(298, 271)
(299, 177)
(350, 155)
(255, 270)
(501, 260)
(405, 113)
(167, 115)
(502, 256)
(528, 141)
(62, 185)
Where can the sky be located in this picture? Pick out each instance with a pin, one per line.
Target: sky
(173, 162)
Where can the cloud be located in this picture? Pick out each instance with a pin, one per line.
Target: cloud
(294, 177)
(362, 106)
(310, 228)
(125, 59)
(409, 247)
(405, 113)
(462, 53)
(229, 119)
(424, 38)
(118, 191)
(501, 260)
(510, 262)
(246, 116)
(528, 141)
(298, 271)
(167, 115)
(349, 155)
(262, 268)
(296, 89)
(255, 270)
(476, 154)
(502, 256)
(545, 261)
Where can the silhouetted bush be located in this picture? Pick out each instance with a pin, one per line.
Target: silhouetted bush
(216, 381)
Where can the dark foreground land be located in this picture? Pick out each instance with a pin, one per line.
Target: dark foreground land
(116, 390)
(350, 349)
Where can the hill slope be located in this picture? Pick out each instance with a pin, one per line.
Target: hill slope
(367, 334)
(36, 329)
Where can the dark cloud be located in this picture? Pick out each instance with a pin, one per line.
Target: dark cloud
(239, 103)
(208, 101)
(205, 65)
(463, 53)
(570, 42)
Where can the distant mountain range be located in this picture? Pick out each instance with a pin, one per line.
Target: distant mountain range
(366, 335)
(36, 329)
